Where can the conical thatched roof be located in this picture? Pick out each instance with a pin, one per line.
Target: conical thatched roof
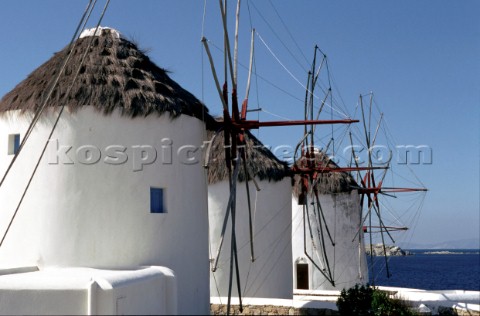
(328, 183)
(261, 162)
(115, 75)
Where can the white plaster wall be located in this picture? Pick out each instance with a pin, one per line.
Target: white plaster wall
(98, 215)
(346, 259)
(77, 291)
(270, 275)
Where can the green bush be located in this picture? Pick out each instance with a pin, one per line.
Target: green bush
(382, 304)
(364, 300)
(356, 301)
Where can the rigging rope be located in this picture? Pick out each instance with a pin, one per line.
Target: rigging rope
(39, 111)
(273, 247)
(278, 37)
(251, 263)
(53, 128)
(280, 62)
(259, 76)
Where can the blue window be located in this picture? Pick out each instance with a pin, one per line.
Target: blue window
(13, 143)
(157, 200)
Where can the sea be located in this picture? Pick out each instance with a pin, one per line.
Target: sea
(430, 269)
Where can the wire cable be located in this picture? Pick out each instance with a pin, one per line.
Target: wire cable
(39, 111)
(52, 130)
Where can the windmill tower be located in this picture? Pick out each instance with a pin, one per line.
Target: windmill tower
(114, 187)
(264, 244)
(235, 126)
(328, 246)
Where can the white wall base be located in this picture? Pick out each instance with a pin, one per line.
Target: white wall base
(85, 291)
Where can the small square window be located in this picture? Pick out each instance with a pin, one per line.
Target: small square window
(157, 200)
(13, 143)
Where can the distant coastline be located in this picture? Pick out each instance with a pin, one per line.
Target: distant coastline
(392, 250)
(388, 250)
(446, 251)
(451, 252)
(470, 244)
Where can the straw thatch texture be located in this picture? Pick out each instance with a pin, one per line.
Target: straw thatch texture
(115, 75)
(261, 162)
(328, 183)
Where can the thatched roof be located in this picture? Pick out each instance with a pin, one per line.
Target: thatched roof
(261, 162)
(115, 75)
(328, 183)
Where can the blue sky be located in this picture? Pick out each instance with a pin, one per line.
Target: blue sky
(420, 58)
